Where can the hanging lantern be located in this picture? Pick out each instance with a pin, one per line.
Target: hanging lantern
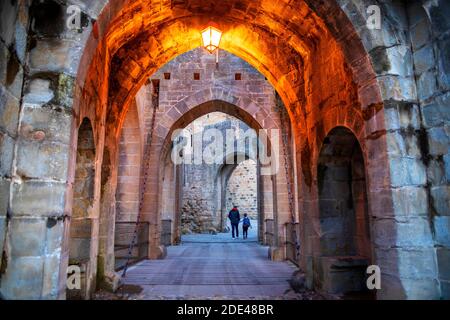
(211, 38)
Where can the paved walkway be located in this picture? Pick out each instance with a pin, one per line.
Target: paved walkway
(228, 270)
(223, 237)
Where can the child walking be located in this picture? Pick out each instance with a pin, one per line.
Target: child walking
(245, 225)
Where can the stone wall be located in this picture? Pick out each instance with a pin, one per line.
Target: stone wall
(429, 29)
(242, 189)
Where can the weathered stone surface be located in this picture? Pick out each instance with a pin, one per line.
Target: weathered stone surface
(444, 64)
(6, 154)
(441, 226)
(412, 264)
(27, 198)
(407, 172)
(23, 280)
(443, 255)
(426, 85)
(39, 92)
(436, 172)
(441, 200)
(397, 88)
(8, 16)
(447, 166)
(55, 56)
(420, 34)
(9, 112)
(409, 232)
(436, 114)
(410, 201)
(27, 237)
(4, 196)
(438, 141)
(424, 59)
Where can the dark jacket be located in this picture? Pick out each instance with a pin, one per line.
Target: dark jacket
(234, 216)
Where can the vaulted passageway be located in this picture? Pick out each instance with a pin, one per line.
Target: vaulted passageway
(317, 62)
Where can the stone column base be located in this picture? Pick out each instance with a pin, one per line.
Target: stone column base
(276, 253)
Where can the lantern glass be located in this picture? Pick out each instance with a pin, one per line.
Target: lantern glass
(211, 38)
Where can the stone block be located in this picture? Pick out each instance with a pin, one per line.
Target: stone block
(410, 201)
(397, 88)
(406, 232)
(27, 237)
(436, 172)
(54, 235)
(401, 115)
(4, 196)
(409, 115)
(420, 34)
(447, 166)
(21, 34)
(9, 112)
(440, 197)
(391, 117)
(395, 288)
(436, 114)
(55, 56)
(404, 144)
(442, 230)
(411, 263)
(438, 141)
(426, 85)
(407, 172)
(395, 60)
(6, 154)
(445, 290)
(421, 289)
(23, 279)
(27, 198)
(50, 285)
(443, 46)
(38, 92)
(8, 16)
(424, 59)
(443, 258)
(49, 160)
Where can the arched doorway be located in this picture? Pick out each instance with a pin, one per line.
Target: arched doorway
(81, 246)
(345, 235)
(176, 179)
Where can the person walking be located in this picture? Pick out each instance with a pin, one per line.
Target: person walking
(235, 218)
(245, 225)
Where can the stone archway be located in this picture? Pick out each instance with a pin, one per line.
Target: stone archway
(242, 112)
(345, 245)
